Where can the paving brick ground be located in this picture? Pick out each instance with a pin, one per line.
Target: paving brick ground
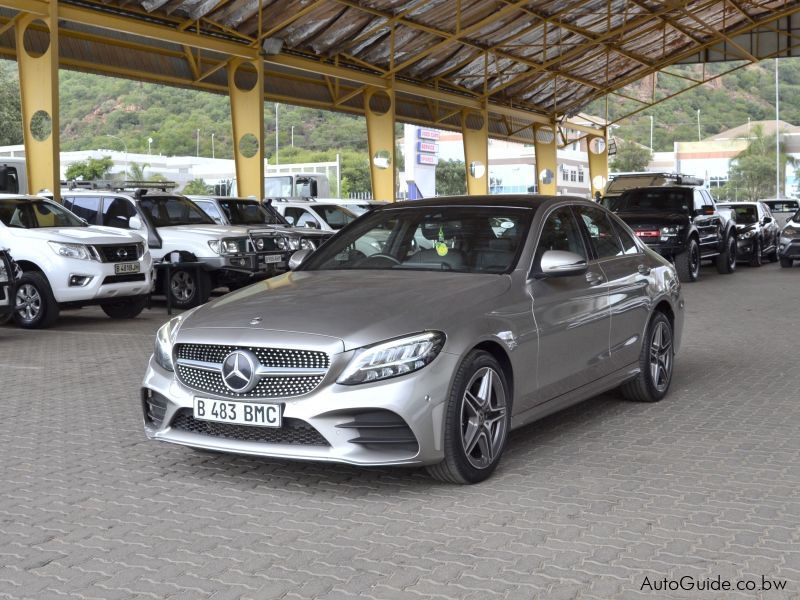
(586, 504)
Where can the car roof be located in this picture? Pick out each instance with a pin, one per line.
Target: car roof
(22, 197)
(739, 203)
(500, 200)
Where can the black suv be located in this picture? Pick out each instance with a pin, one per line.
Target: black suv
(682, 224)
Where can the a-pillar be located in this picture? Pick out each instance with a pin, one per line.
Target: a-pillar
(37, 58)
(475, 136)
(246, 91)
(379, 110)
(544, 143)
(598, 162)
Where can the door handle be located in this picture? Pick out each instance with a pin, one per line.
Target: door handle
(594, 278)
(643, 270)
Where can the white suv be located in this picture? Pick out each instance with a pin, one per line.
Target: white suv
(203, 255)
(66, 263)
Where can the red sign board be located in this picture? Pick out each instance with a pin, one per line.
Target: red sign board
(427, 159)
(428, 147)
(428, 134)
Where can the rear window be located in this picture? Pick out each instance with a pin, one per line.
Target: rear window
(163, 211)
(746, 213)
(646, 200)
(782, 205)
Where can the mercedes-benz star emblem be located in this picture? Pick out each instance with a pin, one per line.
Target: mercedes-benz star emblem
(239, 371)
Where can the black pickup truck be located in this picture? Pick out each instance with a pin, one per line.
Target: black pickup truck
(682, 224)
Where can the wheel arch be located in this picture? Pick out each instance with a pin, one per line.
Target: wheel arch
(501, 355)
(27, 266)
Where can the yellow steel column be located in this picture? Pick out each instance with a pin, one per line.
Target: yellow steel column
(475, 136)
(379, 111)
(544, 143)
(598, 162)
(38, 85)
(246, 90)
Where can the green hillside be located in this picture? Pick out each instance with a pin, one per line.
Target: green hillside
(94, 106)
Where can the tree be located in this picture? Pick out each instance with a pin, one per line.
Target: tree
(752, 172)
(136, 171)
(630, 157)
(198, 187)
(91, 169)
(451, 178)
(10, 114)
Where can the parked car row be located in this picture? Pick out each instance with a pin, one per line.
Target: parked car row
(107, 245)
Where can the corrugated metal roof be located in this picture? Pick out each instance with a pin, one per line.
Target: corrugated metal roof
(546, 58)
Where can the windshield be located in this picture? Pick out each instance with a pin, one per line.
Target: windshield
(164, 211)
(35, 214)
(335, 216)
(278, 187)
(466, 239)
(250, 212)
(659, 200)
(745, 214)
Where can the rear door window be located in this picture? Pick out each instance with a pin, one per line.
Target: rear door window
(86, 207)
(601, 232)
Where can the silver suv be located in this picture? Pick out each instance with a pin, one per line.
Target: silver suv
(476, 316)
(208, 255)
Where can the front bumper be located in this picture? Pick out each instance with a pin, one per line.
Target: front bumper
(665, 249)
(249, 265)
(790, 250)
(88, 281)
(418, 399)
(745, 248)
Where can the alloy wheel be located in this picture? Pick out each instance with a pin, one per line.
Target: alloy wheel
(183, 286)
(483, 418)
(661, 357)
(29, 302)
(694, 259)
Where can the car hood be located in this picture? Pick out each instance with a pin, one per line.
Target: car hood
(77, 235)
(635, 218)
(357, 307)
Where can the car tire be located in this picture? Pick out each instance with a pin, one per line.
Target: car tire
(188, 288)
(758, 258)
(125, 308)
(687, 263)
(786, 263)
(726, 261)
(35, 306)
(656, 361)
(477, 420)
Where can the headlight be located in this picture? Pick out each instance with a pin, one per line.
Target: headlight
(165, 338)
(78, 251)
(224, 246)
(669, 231)
(260, 244)
(282, 243)
(790, 232)
(785, 240)
(307, 245)
(3, 272)
(392, 358)
(747, 234)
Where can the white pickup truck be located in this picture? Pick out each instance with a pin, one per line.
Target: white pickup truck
(66, 263)
(205, 255)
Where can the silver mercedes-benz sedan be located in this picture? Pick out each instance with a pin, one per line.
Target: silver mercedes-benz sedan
(471, 317)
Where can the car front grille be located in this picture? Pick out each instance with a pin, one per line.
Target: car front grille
(293, 431)
(268, 386)
(120, 252)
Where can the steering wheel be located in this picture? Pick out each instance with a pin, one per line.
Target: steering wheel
(386, 256)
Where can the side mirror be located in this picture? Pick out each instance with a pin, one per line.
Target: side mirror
(297, 258)
(135, 223)
(559, 263)
(707, 210)
(767, 220)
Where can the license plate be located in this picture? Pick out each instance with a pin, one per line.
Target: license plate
(126, 268)
(239, 413)
(271, 258)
